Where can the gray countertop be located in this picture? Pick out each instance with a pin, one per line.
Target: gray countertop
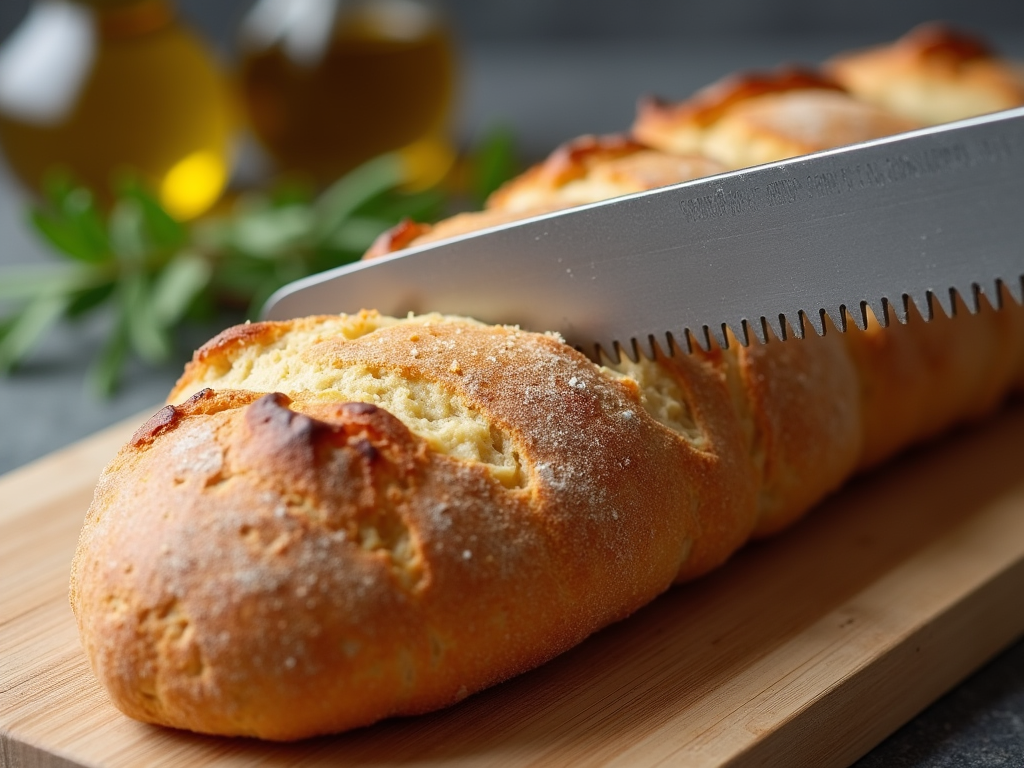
(546, 95)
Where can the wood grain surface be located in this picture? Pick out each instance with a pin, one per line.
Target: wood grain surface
(807, 649)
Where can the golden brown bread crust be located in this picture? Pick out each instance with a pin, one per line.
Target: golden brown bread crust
(329, 525)
(592, 168)
(342, 519)
(933, 74)
(242, 537)
(759, 118)
(583, 170)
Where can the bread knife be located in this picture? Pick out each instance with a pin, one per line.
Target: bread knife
(917, 217)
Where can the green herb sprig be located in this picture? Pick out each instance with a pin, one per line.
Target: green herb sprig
(156, 272)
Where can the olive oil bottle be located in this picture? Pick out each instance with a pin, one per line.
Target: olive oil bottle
(98, 87)
(329, 84)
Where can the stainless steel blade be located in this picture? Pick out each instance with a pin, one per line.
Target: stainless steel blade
(913, 217)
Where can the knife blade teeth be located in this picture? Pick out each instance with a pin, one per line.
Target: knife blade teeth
(837, 315)
(672, 345)
(794, 327)
(1015, 288)
(682, 343)
(658, 349)
(777, 325)
(898, 309)
(740, 332)
(791, 330)
(605, 354)
(973, 298)
(995, 294)
(877, 309)
(721, 335)
(627, 350)
(814, 319)
(760, 328)
(648, 347)
(857, 316)
(699, 340)
(946, 300)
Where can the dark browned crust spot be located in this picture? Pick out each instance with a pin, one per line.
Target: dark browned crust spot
(218, 350)
(205, 401)
(161, 421)
(293, 438)
(397, 238)
(940, 40)
(573, 159)
(709, 104)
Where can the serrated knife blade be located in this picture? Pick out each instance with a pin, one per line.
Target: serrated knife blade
(915, 217)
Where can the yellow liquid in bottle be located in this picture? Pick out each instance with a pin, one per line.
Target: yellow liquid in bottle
(377, 83)
(136, 92)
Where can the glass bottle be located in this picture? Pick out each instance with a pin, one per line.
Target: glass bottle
(100, 86)
(329, 84)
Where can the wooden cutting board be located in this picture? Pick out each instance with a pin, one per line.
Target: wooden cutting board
(804, 650)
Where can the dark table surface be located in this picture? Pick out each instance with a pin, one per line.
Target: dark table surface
(546, 95)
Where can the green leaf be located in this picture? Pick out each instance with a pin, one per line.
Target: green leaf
(290, 192)
(70, 220)
(84, 301)
(272, 233)
(240, 276)
(80, 209)
(177, 285)
(261, 294)
(28, 327)
(493, 162)
(162, 229)
(25, 282)
(148, 338)
(358, 233)
(396, 206)
(126, 236)
(58, 183)
(6, 324)
(105, 370)
(353, 190)
(63, 236)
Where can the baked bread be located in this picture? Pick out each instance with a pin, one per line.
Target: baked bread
(933, 74)
(583, 170)
(347, 518)
(341, 519)
(755, 118)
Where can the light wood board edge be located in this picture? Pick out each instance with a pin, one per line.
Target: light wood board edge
(66, 470)
(956, 613)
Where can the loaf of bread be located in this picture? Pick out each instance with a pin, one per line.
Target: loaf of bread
(341, 519)
(933, 74)
(754, 118)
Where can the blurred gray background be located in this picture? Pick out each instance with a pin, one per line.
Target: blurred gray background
(530, 64)
(669, 20)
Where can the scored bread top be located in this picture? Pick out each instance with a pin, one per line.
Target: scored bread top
(411, 509)
(584, 170)
(933, 74)
(755, 118)
(592, 168)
